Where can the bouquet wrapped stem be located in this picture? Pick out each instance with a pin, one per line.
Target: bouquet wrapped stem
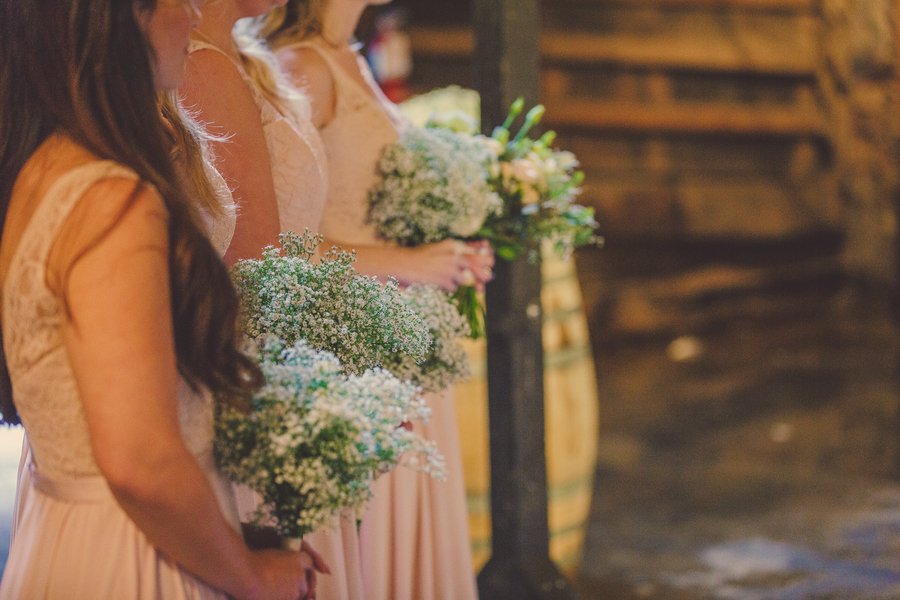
(468, 302)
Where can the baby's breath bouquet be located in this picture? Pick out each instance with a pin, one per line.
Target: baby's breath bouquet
(315, 437)
(434, 186)
(329, 304)
(447, 362)
(538, 185)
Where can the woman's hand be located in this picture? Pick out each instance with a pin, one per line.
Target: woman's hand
(445, 264)
(450, 264)
(284, 575)
(480, 258)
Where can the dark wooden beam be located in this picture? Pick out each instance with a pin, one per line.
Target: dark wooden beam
(507, 65)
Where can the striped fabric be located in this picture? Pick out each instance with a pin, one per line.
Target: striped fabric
(571, 420)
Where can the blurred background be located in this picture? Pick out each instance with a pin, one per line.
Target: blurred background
(742, 157)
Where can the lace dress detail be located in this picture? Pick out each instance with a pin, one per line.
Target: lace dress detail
(296, 155)
(64, 504)
(43, 383)
(362, 126)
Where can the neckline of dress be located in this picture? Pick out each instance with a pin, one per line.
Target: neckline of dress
(373, 96)
(235, 56)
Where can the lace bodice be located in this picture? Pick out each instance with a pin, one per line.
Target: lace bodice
(361, 127)
(296, 155)
(43, 384)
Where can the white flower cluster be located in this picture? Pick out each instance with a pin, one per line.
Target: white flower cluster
(315, 438)
(433, 186)
(329, 304)
(447, 362)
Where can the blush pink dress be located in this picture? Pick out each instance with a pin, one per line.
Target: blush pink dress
(72, 539)
(414, 535)
(299, 172)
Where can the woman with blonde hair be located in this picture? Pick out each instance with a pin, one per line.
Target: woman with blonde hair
(414, 535)
(118, 319)
(272, 159)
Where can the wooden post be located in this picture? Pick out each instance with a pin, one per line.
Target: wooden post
(507, 65)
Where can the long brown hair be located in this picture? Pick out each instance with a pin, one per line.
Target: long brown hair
(83, 67)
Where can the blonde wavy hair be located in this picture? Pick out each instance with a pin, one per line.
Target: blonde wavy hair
(262, 67)
(296, 21)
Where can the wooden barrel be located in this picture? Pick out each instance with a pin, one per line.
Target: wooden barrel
(571, 421)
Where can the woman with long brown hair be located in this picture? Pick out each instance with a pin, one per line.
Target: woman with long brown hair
(118, 319)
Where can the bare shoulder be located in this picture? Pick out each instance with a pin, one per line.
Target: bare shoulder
(215, 89)
(311, 73)
(114, 216)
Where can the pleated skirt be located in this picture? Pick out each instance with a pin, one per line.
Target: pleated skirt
(571, 422)
(414, 535)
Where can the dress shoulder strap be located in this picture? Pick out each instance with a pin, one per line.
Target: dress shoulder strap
(329, 60)
(342, 79)
(55, 207)
(351, 91)
(196, 44)
(25, 292)
(268, 111)
(61, 198)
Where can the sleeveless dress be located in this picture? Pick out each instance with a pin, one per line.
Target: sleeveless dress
(219, 229)
(295, 153)
(413, 535)
(299, 173)
(73, 540)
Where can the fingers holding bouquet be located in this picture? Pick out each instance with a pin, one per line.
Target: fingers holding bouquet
(313, 563)
(480, 264)
(441, 263)
(285, 574)
(510, 188)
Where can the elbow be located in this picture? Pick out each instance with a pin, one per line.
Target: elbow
(138, 476)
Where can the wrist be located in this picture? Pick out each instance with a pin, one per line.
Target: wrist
(250, 585)
(403, 263)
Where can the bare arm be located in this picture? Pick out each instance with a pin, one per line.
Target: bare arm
(120, 344)
(214, 88)
(448, 264)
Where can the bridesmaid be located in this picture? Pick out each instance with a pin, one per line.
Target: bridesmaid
(215, 207)
(117, 408)
(414, 534)
(272, 158)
